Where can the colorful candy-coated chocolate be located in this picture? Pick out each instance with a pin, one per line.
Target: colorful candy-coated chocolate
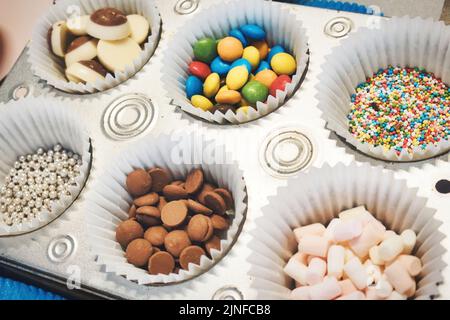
(262, 47)
(237, 77)
(201, 102)
(199, 69)
(279, 84)
(230, 49)
(266, 77)
(251, 54)
(273, 51)
(205, 50)
(220, 67)
(283, 63)
(264, 65)
(223, 88)
(193, 86)
(239, 35)
(243, 109)
(228, 97)
(255, 91)
(222, 108)
(253, 31)
(211, 85)
(242, 62)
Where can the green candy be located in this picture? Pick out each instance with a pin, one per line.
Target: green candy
(255, 91)
(205, 50)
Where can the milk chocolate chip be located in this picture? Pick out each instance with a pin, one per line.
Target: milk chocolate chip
(127, 231)
(226, 196)
(160, 179)
(206, 188)
(200, 228)
(161, 263)
(148, 216)
(156, 235)
(219, 222)
(194, 181)
(138, 252)
(176, 241)
(132, 212)
(215, 202)
(213, 243)
(197, 207)
(174, 213)
(162, 202)
(139, 182)
(191, 254)
(173, 192)
(147, 200)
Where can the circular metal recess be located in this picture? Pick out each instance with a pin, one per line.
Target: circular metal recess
(338, 27)
(21, 91)
(61, 248)
(286, 152)
(128, 116)
(186, 6)
(228, 293)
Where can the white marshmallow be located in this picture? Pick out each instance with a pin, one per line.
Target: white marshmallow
(330, 229)
(411, 263)
(390, 248)
(409, 241)
(356, 273)
(373, 272)
(383, 288)
(300, 293)
(399, 277)
(388, 234)
(316, 271)
(349, 255)
(336, 261)
(396, 296)
(357, 295)
(371, 294)
(352, 213)
(347, 286)
(347, 230)
(316, 229)
(296, 270)
(326, 290)
(374, 255)
(139, 27)
(371, 236)
(314, 245)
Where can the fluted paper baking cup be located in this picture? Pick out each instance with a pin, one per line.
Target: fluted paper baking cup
(50, 68)
(108, 203)
(319, 196)
(282, 27)
(33, 123)
(401, 42)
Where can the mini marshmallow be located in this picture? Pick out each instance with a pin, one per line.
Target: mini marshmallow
(390, 248)
(371, 294)
(329, 289)
(357, 295)
(383, 288)
(409, 241)
(373, 272)
(316, 271)
(399, 277)
(296, 270)
(396, 296)
(349, 255)
(316, 229)
(356, 273)
(411, 291)
(347, 230)
(388, 234)
(301, 293)
(352, 213)
(374, 255)
(411, 263)
(347, 286)
(336, 261)
(314, 245)
(371, 236)
(330, 229)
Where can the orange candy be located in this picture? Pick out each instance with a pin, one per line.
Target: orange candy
(262, 47)
(266, 77)
(230, 49)
(228, 97)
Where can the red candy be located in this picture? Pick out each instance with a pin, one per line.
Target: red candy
(199, 69)
(279, 84)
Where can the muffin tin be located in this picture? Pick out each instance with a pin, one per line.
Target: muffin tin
(140, 108)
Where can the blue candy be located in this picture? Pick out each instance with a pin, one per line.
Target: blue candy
(253, 31)
(219, 66)
(193, 86)
(263, 66)
(242, 62)
(275, 49)
(236, 33)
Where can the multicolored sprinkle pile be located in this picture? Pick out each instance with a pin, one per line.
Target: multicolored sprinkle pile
(400, 109)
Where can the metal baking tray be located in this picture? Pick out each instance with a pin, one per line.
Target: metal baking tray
(58, 255)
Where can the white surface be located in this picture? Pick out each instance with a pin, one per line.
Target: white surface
(414, 8)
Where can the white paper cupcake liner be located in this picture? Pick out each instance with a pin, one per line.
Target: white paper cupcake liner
(51, 68)
(33, 123)
(108, 203)
(319, 196)
(402, 42)
(282, 27)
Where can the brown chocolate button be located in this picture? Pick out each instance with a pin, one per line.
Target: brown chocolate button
(109, 17)
(200, 228)
(138, 182)
(138, 252)
(226, 196)
(191, 254)
(213, 243)
(194, 181)
(177, 183)
(78, 42)
(132, 212)
(147, 200)
(95, 66)
(173, 192)
(161, 263)
(197, 207)
(148, 216)
(215, 202)
(160, 179)
(156, 235)
(162, 202)
(206, 188)
(219, 222)
(127, 231)
(174, 213)
(175, 241)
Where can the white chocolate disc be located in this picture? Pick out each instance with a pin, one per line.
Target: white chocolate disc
(140, 28)
(78, 25)
(58, 38)
(110, 33)
(80, 73)
(116, 55)
(87, 51)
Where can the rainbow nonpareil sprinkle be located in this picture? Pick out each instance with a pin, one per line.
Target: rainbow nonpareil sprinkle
(400, 109)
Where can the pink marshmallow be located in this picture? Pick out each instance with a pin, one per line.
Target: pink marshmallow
(296, 270)
(356, 273)
(336, 261)
(316, 229)
(301, 293)
(330, 229)
(411, 263)
(329, 289)
(316, 271)
(314, 246)
(399, 277)
(371, 236)
(347, 230)
(347, 286)
(356, 295)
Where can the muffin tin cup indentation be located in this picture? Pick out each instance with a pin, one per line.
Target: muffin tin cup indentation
(49, 68)
(318, 198)
(282, 27)
(108, 202)
(33, 123)
(401, 42)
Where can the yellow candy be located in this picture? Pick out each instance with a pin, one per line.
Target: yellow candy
(251, 54)
(201, 102)
(237, 77)
(262, 47)
(211, 85)
(223, 88)
(283, 63)
(266, 77)
(228, 97)
(243, 109)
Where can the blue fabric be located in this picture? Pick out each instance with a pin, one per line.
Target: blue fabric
(13, 290)
(334, 5)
